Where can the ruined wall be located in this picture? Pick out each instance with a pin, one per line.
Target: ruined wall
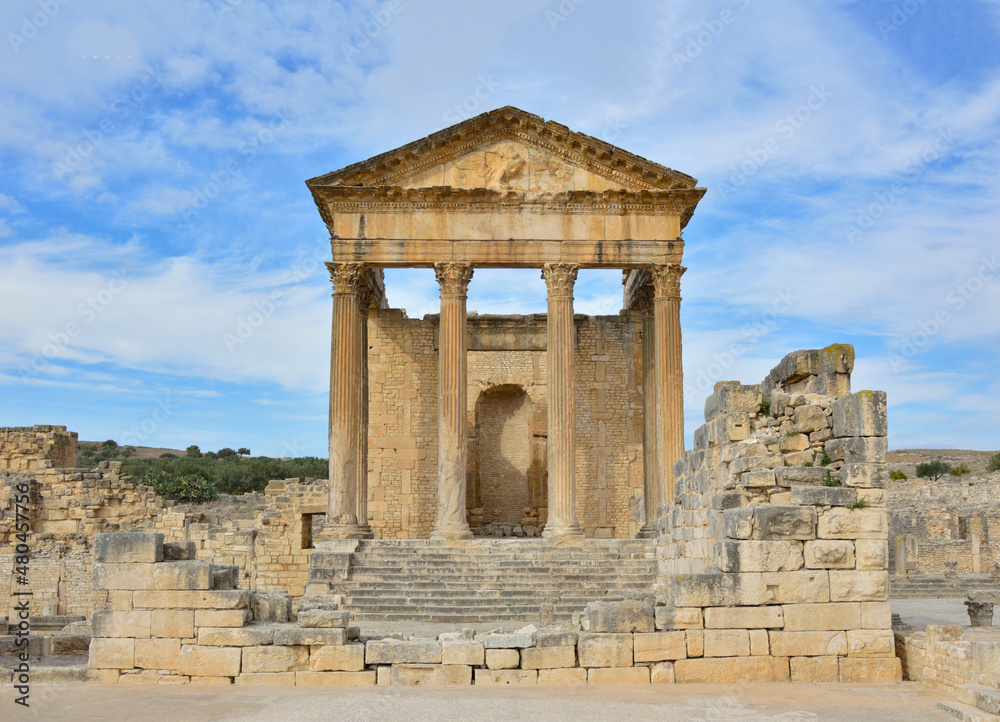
(949, 658)
(28, 448)
(777, 534)
(504, 350)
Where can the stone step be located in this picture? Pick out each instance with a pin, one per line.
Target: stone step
(986, 698)
(965, 712)
(374, 588)
(386, 577)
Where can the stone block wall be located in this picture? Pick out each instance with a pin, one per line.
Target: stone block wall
(28, 448)
(776, 538)
(950, 658)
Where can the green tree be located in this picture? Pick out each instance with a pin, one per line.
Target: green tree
(127, 451)
(243, 451)
(226, 453)
(110, 444)
(933, 470)
(193, 451)
(994, 463)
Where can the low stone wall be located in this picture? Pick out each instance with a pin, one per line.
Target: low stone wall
(950, 658)
(27, 448)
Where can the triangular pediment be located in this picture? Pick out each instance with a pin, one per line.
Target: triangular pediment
(509, 150)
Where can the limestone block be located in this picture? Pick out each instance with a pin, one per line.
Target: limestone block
(178, 551)
(829, 554)
(808, 644)
(858, 449)
(209, 661)
(121, 624)
(618, 675)
(864, 476)
(771, 617)
(758, 479)
(271, 606)
(801, 587)
(876, 615)
(870, 670)
(69, 643)
(177, 599)
(335, 679)
(555, 639)
(695, 639)
(104, 676)
(738, 523)
(872, 554)
(605, 650)
(267, 679)
(760, 644)
(860, 414)
(854, 586)
(870, 643)
(338, 658)
(430, 675)
(668, 617)
(796, 442)
(220, 617)
(835, 616)
(814, 669)
(324, 618)
(731, 397)
(659, 646)
(157, 653)
(172, 623)
(808, 475)
(507, 641)
(758, 556)
(630, 615)
(253, 636)
(575, 675)
(720, 590)
(662, 673)
(392, 651)
(723, 670)
(505, 677)
(225, 576)
(824, 495)
(121, 600)
(465, 651)
(291, 636)
(164, 575)
(503, 658)
(727, 643)
(548, 657)
(275, 659)
(106, 653)
(809, 418)
(854, 524)
(128, 547)
(784, 522)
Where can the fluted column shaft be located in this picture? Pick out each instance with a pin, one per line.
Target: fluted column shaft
(345, 401)
(559, 279)
(669, 374)
(453, 279)
(362, 495)
(650, 478)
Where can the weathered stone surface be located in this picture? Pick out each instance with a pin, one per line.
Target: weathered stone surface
(771, 617)
(619, 617)
(731, 670)
(758, 479)
(732, 398)
(128, 547)
(618, 675)
(507, 641)
(727, 643)
(858, 449)
(870, 670)
(824, 495)
(430, 675)
(291, 636)
(669, 617)
(177, 599)
(809, 419)
(719, 590)
(822, 617)
(760, 643)
(108, 653)
(860, 414)
(662, 673)
(548, 657)
(807, 475)
(695, 639)
(864, 476)
(855, 586)
(209, 661)
(555, 639)
(659, 647)
(338, 658)
(575, 675)
(121, 624)
(177, 551)
(808, 644)
(759, 556)
(872, 554)
(324, 618)
(389, 651)
(876, 615)
(853, 524)
(172, 623)
(465, 651)
(164, 575)
(254, 636)
(70, 643)
(870, 643)
(335, 679)
(829, 554)
(814, 669)
(220, 617)
(267, 679)
(225, 576)
(157, 653)
(275, 659)
(605, 650)
(502, 658)
(505, 677)
(271, 606)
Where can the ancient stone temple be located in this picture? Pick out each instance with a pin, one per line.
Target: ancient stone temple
(559, 424)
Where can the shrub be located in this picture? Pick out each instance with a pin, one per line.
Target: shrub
(227, 452)
(994, 462)
(168, 455)
(898, 475)
(193, 451)
(243, 451)
(189, 487)
(933, 470)
(127, 451)
(111, 444)
(960, 470)
(765, 407)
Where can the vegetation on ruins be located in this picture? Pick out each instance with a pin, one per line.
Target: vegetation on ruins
(765, 408)
(898, 476)
(226, 475)
(933, 470)
(960, 470)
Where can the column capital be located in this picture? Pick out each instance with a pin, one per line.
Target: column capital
(559, 279)
(347, 278)
(453, 278)
(667, 280)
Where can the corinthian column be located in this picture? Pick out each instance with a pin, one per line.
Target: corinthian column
(669, 374)
(345, 402)
(362, 495)
(452, 350)
(650, 479)
(559, 279)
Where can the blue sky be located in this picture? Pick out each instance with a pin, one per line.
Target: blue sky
(162, 278)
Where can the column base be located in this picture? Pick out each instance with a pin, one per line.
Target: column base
(451, 532)
(648, 531)
(366, 531)
(341, 531)
(562, 530)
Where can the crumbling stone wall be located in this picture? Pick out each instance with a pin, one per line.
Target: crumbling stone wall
(776, 539)
(28, 448)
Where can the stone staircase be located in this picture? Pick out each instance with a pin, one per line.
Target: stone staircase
(491, 579)
(979, 704)
(938, 586)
